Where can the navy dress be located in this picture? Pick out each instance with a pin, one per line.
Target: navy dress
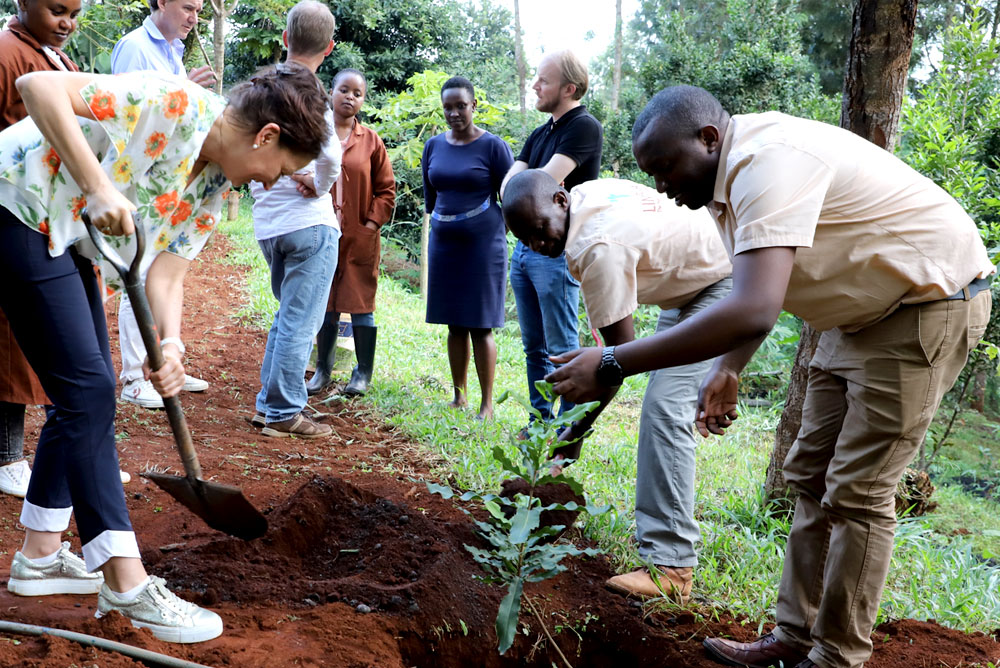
(467, 271)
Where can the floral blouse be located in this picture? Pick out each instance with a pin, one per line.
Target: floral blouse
(148, 134)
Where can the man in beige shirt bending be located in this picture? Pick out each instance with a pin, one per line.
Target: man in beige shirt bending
(892, 271)
(628, 245)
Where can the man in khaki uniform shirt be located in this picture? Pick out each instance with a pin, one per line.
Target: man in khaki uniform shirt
(628, 245)
(892, 271)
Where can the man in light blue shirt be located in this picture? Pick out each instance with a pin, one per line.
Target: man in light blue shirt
(155, 45)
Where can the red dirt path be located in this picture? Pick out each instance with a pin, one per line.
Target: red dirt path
(349, 532)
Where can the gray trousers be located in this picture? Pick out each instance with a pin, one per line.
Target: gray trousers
(664, 489)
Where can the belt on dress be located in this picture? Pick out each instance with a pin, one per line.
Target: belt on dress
(448, 218)
(971, 290)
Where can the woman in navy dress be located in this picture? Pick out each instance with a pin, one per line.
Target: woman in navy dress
(467, 273)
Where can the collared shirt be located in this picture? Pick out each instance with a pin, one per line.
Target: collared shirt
(21, 53)
(870, 232)
(628, 245)
(577, 135)
(148, 134)
(282, 209)
(146, 49)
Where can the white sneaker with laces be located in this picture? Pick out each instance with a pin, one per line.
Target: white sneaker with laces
(141, 392)
(192, 384)
(66, 575)
(14, 478)
(169, 617)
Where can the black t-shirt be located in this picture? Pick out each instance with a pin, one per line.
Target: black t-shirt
(577, 135)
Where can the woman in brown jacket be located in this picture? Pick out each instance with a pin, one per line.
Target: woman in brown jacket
(363, 197)
(31, 42)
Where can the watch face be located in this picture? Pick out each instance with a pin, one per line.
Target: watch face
(609, 373)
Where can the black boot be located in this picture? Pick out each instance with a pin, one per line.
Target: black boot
(364, 349)
(326, 353)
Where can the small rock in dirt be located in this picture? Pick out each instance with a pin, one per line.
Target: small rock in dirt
(363, 609)
(378, 546)
(172, 547)
(210, 597)
(395, 602)
(404, 519)
(309, 601)
(76, 605)
(313, 596)
(414, 607)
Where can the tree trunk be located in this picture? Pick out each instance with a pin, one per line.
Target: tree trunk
(220, 12)
(881, 42)
(616, 77)
(996, 20)
(522, 69)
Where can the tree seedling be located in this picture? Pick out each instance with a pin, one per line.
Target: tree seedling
(520, 548)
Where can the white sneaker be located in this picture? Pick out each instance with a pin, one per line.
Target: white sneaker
(169, 617)
(192, 384)
(141, 392)
(14, 478)
(66, 575)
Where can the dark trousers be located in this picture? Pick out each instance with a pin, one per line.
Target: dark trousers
(57, 316)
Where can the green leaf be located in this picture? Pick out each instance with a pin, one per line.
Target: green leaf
(445, 491)
(524, 522)
(507, 616)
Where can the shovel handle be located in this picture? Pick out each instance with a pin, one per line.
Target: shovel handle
(147, 328)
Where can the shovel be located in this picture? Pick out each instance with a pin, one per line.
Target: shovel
(223, 508)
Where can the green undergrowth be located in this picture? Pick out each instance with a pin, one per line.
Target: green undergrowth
(937, 572)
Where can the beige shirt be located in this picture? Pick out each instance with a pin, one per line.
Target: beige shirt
(871, 233)
(629, 245)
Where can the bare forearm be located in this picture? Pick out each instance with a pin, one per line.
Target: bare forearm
(165, 290)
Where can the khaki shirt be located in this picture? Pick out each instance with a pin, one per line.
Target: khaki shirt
(870, 232)
(629, 245)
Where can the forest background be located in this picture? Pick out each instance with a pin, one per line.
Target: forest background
(754, 55)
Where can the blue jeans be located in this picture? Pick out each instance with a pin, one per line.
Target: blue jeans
(548, 300)
(302, 265)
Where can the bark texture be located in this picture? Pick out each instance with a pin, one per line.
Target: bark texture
(874, 84)
(522, 69)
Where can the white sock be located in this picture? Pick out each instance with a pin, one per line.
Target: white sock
(45, 561)
(134, 592)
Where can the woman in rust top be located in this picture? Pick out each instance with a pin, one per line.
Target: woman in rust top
(31, 42)
(363, 197)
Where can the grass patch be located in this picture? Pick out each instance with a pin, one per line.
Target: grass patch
(936, 572)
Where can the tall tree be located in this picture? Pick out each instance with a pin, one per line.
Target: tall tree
(881, 43)
(221, 9)
(616, 78)
(522, 69)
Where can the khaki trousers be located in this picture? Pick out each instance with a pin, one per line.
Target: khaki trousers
(871, 396)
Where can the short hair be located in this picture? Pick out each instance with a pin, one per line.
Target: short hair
(155, 5)
(310, 27)
(350, 70)
(290, 96)
(687, 109)
(526, 189)
(572, 71)
(459, 82)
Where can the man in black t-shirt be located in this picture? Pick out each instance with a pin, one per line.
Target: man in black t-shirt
(568, 148)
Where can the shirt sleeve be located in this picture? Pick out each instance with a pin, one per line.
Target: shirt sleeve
(383, 186)
(502, 159)
(525, 155)
(581, 140)
(430, 194)
(776, 196)
(130, 56)
(328, 161)
(608, 281)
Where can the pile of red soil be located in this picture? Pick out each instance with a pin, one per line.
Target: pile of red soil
(547, 494)
(361, 565)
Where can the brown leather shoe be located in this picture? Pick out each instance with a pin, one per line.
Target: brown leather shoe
(675, 584)
(300, 426)
(764, 652)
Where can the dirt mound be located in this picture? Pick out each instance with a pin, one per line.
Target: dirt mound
(548, 494)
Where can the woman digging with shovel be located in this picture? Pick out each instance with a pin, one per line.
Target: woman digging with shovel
(167, 149)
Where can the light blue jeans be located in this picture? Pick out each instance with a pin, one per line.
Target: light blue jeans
(664, 490)
(548, 301)
(302, 265)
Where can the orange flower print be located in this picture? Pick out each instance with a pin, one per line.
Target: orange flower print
(176, 103)
(166, 203)
(52, 161)
(181, 213)
(122, 169)
(155, 144)
(204, 223)
(102, 105)
(79, 204)
(43, 226)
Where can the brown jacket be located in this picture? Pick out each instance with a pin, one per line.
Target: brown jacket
(369, 194)
(20, 53)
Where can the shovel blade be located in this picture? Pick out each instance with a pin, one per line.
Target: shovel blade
(223, 508)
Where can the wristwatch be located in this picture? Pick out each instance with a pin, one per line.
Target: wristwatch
(609, 372)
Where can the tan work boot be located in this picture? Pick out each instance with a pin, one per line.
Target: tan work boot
(675, 582)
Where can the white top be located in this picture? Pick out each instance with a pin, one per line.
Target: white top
(282, 210)
(146, 49)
